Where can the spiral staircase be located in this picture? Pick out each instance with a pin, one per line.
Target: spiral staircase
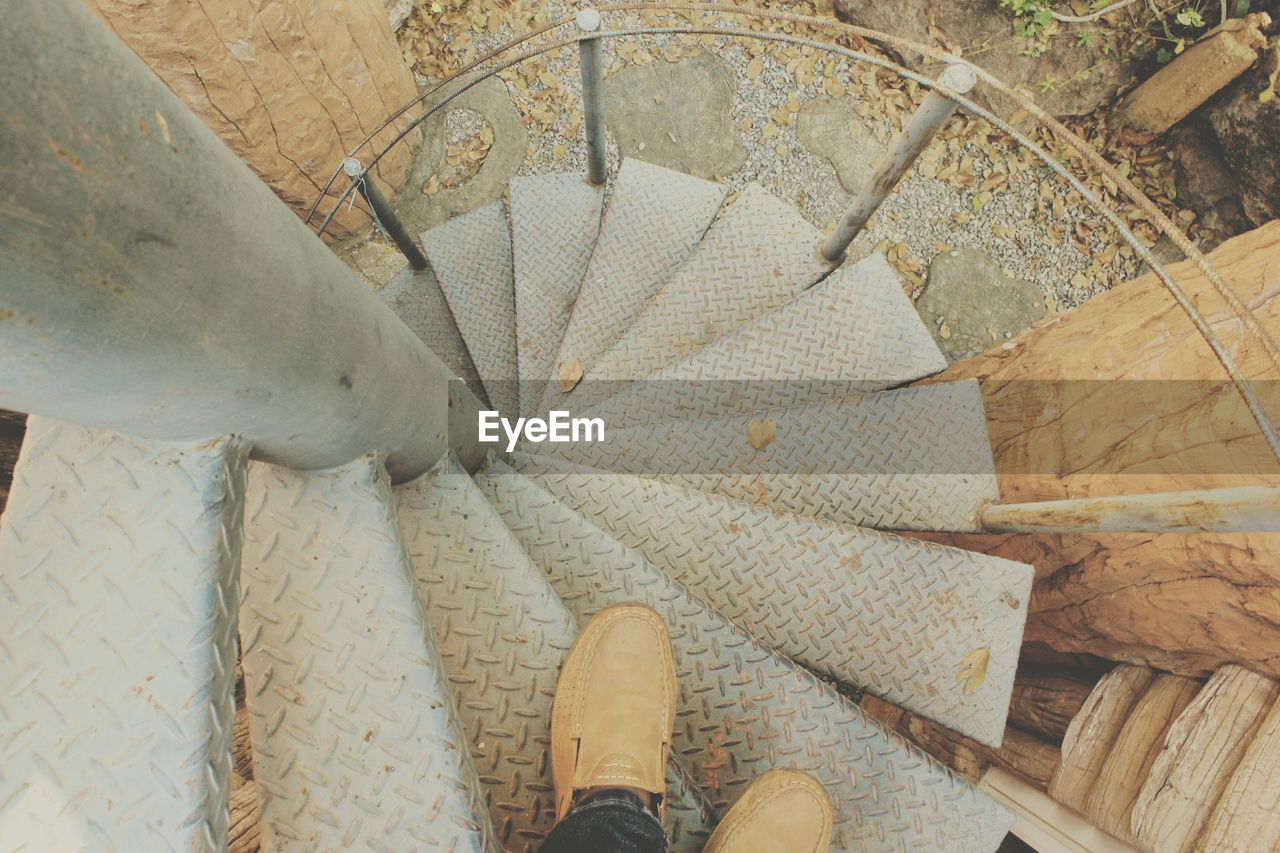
(400, 645)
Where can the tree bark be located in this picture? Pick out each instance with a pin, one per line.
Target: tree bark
(289, 85)
(1245, 817)
(1203, 748)
(1062, 425)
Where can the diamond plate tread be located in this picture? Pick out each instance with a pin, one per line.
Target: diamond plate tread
(356, 743)
(554, 222)
(471, 257)
(416, 299)
(653, 219)
(502, 635)
(118, 591)
(914, 458)
(898, 617)
(853, 332)
(743, 709)
(756, 257)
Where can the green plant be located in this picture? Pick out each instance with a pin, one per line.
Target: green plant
(1032, 21)
(1189, 18)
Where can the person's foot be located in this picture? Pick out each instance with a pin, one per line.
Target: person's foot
(783, 811)
(614, 708)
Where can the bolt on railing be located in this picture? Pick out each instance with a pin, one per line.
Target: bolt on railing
(591, 68)
(383, 216)
(903, 152)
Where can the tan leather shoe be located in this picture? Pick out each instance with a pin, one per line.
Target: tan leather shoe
(783, 811)
(614, 708)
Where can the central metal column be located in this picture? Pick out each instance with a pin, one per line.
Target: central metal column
(151, 284)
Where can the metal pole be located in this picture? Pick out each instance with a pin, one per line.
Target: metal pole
(151, 284)
(908, 145)
(592, 69)
(384, 215)
(1247, 509)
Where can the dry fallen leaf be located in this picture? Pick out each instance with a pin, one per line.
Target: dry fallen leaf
(973, 669)
(760, 434)
(570, 375)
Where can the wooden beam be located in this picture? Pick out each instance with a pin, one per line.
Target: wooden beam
(1084, 404)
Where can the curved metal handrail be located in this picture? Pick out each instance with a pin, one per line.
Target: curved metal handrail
(1241, 383)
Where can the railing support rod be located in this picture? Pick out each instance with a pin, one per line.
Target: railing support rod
(592, 69)
(925, 124)
(1246, 509)
(384, 215)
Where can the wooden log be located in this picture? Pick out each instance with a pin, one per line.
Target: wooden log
(1022, 754)
(1201, 751)
(13, 426)
(1172, 93)
(1088, 739)
(243, 832)
(1186, 603)
(289, 85)
(241, 749)
(1045, 704)
(1245, 818)
(1110, 802)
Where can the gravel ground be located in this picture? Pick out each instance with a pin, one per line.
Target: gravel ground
(1034, 226)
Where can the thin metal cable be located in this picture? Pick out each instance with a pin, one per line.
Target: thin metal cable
(1239, 381)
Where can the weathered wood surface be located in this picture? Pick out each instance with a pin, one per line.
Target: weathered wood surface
(1022, 754)
(241, 750)
(243, 834)
(1045, 704)
(1202, 749)
(289, 85)
(1109, 805)
(1187, 603)
(1247, 817)
(1172, 93)
(1089, 738)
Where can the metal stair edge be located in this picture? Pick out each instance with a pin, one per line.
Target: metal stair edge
(120, 585)
(653, 217)
(914, 458)
(742, 708)
(356, 741)
(502, 634)
(904, 619)
(470, 255)
(854, 332)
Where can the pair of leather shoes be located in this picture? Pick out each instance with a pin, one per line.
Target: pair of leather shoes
(611, 729)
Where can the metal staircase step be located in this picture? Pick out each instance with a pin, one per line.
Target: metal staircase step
(853, 332)
(898, 617)
(743, 709)
(652, 220)
(914, 458)
(502, 635)
(757, 256)
(416, 298)
(471, 257)
(120, 561)
(554, 222)
(356, 742)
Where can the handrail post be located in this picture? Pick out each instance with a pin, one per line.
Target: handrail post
(383, 215)
(592, 70)
(925, 124)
